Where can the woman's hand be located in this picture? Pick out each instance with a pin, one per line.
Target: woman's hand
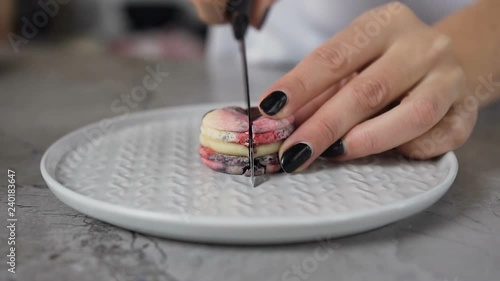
(399, 60)
(213, 11)
(6, 14)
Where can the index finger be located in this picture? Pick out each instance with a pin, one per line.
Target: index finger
(348, 51)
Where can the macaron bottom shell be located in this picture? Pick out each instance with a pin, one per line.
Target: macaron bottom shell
(239, 165)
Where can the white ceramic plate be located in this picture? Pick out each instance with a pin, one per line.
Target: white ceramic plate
(142, 172)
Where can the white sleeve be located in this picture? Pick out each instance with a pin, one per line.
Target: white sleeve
(295, 27)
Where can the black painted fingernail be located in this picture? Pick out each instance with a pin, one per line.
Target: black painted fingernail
(295, 156)
(264, 17)
(273, 103)
(334, 150)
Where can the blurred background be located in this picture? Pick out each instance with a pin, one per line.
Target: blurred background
(68, 63)
(135, 28)
(103, 47)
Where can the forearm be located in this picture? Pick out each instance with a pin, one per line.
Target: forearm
(475, 32)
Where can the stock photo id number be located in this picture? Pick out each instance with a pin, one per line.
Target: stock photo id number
(11, 220)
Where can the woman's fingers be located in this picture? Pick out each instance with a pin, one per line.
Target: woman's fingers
(420, 111)
(311, 107)
(449, 134)
(327, 65)
(214, 11)
(367, 94)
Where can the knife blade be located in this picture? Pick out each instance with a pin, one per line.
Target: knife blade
(239, 15)
(250, 119)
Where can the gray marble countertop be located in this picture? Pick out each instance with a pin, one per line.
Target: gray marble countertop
(48, 93)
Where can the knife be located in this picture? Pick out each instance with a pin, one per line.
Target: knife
(238, 12)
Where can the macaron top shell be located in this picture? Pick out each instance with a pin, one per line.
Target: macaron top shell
(235, 119)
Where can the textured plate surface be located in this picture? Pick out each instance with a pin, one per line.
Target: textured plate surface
(143, 172)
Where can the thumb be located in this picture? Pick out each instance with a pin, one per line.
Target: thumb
(211, 11)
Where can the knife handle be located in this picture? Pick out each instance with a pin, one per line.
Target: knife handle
(238, 12)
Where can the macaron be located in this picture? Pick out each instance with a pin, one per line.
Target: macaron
(224, 140)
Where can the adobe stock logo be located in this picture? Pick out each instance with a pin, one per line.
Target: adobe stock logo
(31, 27)
(303, 271)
